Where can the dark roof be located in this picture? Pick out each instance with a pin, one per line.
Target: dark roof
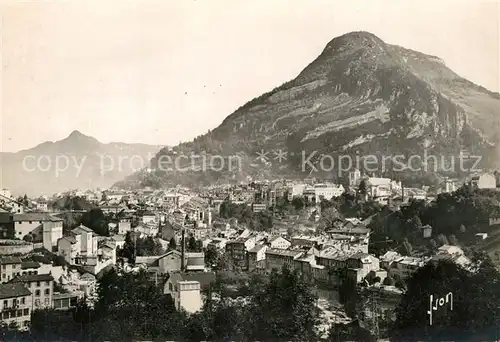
(204, 278)
(29, 278)
(6, 217)
(30, 264)
(10, 260)
(11, 290)
(36, 217)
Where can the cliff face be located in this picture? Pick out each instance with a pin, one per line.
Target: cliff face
(360, 96)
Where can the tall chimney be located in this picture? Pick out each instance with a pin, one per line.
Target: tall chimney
(183, 252)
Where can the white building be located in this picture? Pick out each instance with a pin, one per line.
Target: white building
(279, 243)
(327, 191)
(41, 227)
(88, 245)
(379, 187)
(484, 181)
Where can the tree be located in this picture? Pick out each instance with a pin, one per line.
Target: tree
(388, 281)
(362, 188)
(285, 291)
(441, 240)
(172, 244)
(474, 293)
(97, 221)
(191, 245)
(298, 203)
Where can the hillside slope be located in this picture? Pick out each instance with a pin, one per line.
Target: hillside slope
(76, 162)
(361, 96)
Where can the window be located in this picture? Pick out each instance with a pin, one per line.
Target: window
(170, 286)
(37, 284)
(26, 312)
(47, 301)
(23, 300)
(3, 276)
(5, 315)
(47, 292)
(26, 323)
(37, 302)
(37, 293)
(19, 313)
(47, 283)
(31, 222)
(5, 303)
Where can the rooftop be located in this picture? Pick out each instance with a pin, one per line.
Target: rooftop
(36, 217)
(10, 260)
(284, 252)
(29, 278)
(12, 290)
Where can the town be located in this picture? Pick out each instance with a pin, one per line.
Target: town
(338, 237)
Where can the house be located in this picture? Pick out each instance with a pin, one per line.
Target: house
(378, 187)
(17, 304)
(66, 301)
(237, 249)
(185, 289)
(327, 191)
(69, 247)
(484, 181)
(277, 258)
(119, 240)
(166, 263)
(10, 268)
(41, 227)
(195, 262)
(148, 217)
(88, 244)
(279, 243)
(124, 226)
(41, 286)
(257, 257)
(362, 264)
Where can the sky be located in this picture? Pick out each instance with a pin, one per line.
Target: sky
(161, 72)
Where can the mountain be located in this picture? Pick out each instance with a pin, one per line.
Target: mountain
(359, 97)
(76, 162)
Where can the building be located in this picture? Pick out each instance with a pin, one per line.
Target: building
(17, 304)
(66, 301)
(484, 181)
(258, 207)
(41, 286)
(277, 258)
(124, 226)
(148, 217)
(88, 244)
(10, 268)
(257, 257)
(378, 187)
(327, 191)
(279, 243)
(41, 227)
(185, 289)
(69, 247)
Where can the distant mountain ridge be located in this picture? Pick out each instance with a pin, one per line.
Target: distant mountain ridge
(360, 96)
(75, 162)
